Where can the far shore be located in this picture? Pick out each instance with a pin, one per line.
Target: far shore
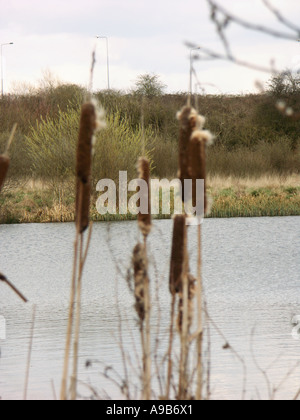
(268, 196)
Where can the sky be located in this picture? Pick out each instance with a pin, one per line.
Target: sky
(144, 36)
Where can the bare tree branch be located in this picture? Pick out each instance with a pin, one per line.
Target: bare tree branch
(229, 17)
(280, 17)
(212, 55)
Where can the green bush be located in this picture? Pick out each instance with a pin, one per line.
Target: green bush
(51, 147)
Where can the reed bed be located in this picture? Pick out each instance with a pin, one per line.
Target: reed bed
(185, 289)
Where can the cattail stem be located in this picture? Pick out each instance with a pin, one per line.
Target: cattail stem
(87, 128)
(64, 385)
(200, 322)
(147, 373)
(183, 370)
(143, 310)
(82, 259)
(170, 349)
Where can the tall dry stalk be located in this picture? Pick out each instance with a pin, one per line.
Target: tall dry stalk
(199, 141)
(141, 280)
(145, 226)
(87, 129)
(141, 291)
(178, 284)
(192, 166)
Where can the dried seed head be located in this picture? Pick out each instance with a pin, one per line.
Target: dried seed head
(88, 125)
(145, 220)
(197, 164)
(178, 254)
(87, 128)
(140, 267)
(204, 135)
(100, 115)
(4, 166)
(186, 129)
(197, 121)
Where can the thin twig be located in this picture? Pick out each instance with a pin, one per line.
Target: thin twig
(234, 352)
(170, 349)
(200, 322)
(248, 25)
(280, 17)
(5, 280)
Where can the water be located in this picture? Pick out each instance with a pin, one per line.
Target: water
(251, 279)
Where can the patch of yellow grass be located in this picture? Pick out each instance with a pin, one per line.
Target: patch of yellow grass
(217, 183)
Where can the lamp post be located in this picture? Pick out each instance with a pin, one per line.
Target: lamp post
(2, 81)
(107, 56)
(191, 67)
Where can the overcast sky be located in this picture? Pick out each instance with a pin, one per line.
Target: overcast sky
(144, 37)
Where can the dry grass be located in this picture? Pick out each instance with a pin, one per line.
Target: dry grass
(36, 202)
(217, 183)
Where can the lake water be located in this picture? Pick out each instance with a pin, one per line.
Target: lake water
(252, 287)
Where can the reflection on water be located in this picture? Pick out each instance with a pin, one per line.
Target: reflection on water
(251, 279)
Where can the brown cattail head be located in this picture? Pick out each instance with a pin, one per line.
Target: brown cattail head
(140, 267)
(87, 128)
(200, 139)
(178, 254)
(186, 129)
(189, 121)
(4, 166)
(145, 220)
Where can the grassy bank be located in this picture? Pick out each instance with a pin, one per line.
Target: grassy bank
(37, 202)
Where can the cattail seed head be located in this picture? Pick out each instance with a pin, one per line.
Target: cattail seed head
(87, 129)
(140, 267)
(4, 166)
(186, 128)
(145, 220)
(178, 254)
